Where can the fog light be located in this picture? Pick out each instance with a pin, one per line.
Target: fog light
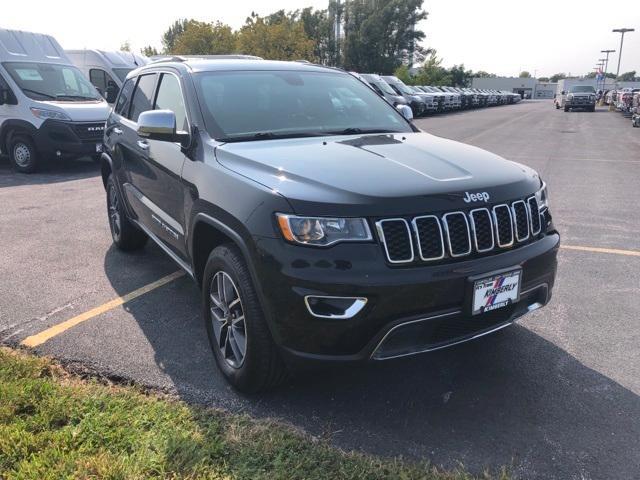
(334, 307)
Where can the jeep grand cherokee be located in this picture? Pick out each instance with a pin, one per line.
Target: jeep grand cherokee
(320, 223)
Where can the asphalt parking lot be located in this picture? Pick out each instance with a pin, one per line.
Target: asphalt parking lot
(556, 396)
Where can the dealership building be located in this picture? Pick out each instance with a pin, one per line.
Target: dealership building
(531, 88)
(527, 87)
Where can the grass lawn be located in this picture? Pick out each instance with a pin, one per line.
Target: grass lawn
(54, 425)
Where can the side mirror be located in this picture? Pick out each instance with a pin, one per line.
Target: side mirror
(160, 125)
(406, 111)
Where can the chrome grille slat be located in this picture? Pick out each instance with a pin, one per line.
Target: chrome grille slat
(496, 210)
(534, 215)
(520, 220)
(389, 243)
(459, 250)
(420, 237)
(476, 227)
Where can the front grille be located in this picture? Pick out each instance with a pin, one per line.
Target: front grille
(482, 229)
(520, 220)
(503, 225)
(459, 234)
(430, 240)
(89, 131)
(456, 227)
(396, 237)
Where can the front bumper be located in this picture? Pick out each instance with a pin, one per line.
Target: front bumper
(433, 299)
(69, 138)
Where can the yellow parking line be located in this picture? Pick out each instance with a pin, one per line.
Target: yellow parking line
(40, 338)
(616, 251)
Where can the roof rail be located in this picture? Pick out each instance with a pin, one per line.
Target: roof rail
(168, 58)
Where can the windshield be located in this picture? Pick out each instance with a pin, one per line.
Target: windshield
(582, 89)
(122, 73)
(47, 81)
(246, 105)
(382, 85)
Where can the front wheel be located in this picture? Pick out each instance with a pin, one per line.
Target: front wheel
(238, 333)
(566, 108)
(23, 154)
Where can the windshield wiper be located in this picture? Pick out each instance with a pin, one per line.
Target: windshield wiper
(268, 136)
(356, 130)
(80, 97)
(53, 97)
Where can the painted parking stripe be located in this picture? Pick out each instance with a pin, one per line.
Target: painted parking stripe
(615, 251)
(40, 338)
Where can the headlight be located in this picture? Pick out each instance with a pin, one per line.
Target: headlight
(45, 114)
(323, 231)
(542, 197)
(592, 97)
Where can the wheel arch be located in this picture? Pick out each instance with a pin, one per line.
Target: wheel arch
(11, 127)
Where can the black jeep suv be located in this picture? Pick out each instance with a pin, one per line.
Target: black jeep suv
(321, 225)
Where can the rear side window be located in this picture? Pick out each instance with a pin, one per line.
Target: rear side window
(142, 96)
(170, 98)
(122, 105)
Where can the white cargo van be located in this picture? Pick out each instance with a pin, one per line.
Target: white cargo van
(106, 70)
(47, 107)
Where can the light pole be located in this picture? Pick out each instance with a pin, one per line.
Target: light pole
(622, 31)
(601, 65)
(606, 65)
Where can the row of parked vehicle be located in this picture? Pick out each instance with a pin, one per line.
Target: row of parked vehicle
(625, 100)
(426, 99)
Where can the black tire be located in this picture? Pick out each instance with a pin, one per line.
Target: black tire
(126, 236)
(592, 109)
(23, 154)
(260, 367)
(566, 108)
(557, 106)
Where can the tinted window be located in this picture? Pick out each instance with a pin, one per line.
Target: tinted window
(170, 98)
(244, 103)
(142, 96)
(122, 105)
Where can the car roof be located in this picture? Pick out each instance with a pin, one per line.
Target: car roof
(197, 65)
(19, 46)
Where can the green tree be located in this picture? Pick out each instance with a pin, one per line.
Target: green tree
(459, 76)
(380, 35)
(627, 76)
(318, 26)
(149, 51)
(524, 74)
(543, 79)
(169, 37)
(557, 76)
(483, 74)
(200, 38)
(125, 46)
(279, 36)
(432, 72)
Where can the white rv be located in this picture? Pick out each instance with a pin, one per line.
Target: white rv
(106, 70)
(47, 106)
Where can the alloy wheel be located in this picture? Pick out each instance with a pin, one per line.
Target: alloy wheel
(227, 319)
(114, 214)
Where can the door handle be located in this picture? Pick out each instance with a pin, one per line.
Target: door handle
(143, 145)
(117, 131)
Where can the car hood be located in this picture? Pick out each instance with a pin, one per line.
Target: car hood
(376, 175)
(90, 111)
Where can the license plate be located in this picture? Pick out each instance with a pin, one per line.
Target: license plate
(496, 291)
(98, 148)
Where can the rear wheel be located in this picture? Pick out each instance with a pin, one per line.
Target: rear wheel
(23, 154)
(566, 108)
(126, 236)
(238, 333)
